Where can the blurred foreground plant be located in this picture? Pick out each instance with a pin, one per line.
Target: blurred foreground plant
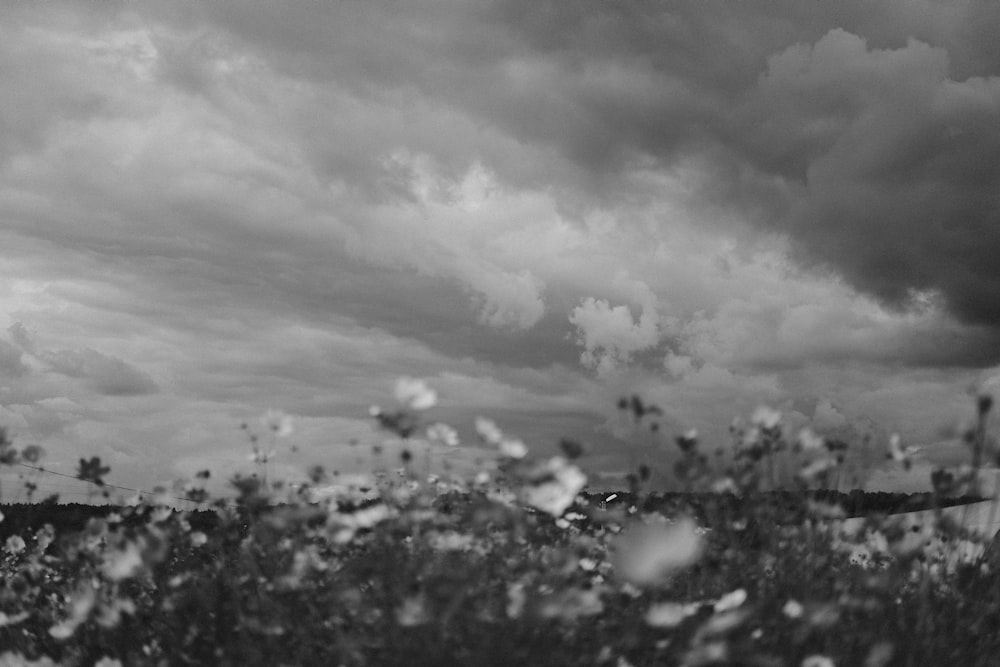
(512, 564)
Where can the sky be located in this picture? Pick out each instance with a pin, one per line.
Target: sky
(213, 209)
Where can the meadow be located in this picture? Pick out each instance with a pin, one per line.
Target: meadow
(517, 565)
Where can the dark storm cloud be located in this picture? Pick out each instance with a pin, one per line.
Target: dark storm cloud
(878, 153)
(868, 132)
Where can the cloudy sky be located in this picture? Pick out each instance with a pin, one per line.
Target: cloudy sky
(210, 209)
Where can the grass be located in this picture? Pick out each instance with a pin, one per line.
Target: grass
(513, 567)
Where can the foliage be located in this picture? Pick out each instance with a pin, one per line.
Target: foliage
(519, 565)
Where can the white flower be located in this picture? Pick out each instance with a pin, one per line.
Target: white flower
(817, 661)
(278, 422)
(491, 434)
(725, 485)
(413, 611)
(346, 524)
(552, 485)
(488, 430)
(669, 614)
(14, 545)
(6, 620)
(354, 486)
(415, 394)
(571, 603)
(731, 601)
(766, 417)
(80, 605)
(898, 453)
(516, 599)
(808, 440)
(443, 433)
(9, 659)
(198, 538)
(793, 609)
(816, 468)
(645, 554)
(451, 541)
(122, 563)
(513, 449)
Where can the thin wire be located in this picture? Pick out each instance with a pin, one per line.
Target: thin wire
(88, 481)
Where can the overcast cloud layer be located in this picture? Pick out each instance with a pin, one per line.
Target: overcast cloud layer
(209, 209)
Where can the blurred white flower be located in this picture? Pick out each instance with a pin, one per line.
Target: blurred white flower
(109, 615)
(725, 485)
(816, 468)
(413, 611)
(443, 433)
(793, 609)
(571, 603)
(809, 441)
(414, 394)
(670, 614)
(731, 601)
(900, 454)
(513, 449)
(6, 620)
(122, 563)
(825, 510)
(647, 553)
(80, 605)
(765, 417)
(552, 485)
(108, 662)
(722, 623)
(354, 486)
(708, 653)
(9, 659)
(880, 654)
(345, 524)
(516, 599)
(14, 544)
(817, 661)
(488, 430)
(450, 541)
(278, 422)
(198, 538)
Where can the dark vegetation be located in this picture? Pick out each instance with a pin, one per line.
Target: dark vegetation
(25, 518)
(22, 518)
(514, 567)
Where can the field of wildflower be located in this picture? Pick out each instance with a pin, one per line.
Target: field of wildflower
(518, 565)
